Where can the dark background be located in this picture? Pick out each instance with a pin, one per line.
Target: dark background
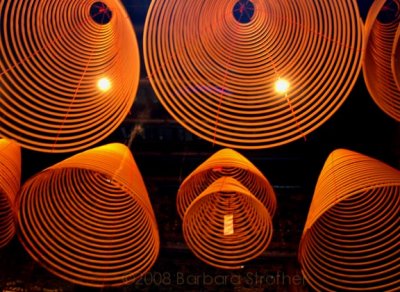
(166, 153)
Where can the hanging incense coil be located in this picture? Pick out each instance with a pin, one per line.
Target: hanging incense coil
(227, 207)
(88, 219)
(396, 58)
(381, 64)
(226, 226)
(10, 178)
(69, 72)
(216, 75)
(226, 162)
(350, 240)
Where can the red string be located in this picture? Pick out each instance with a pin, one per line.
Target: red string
(73, 100)
(220, 100)
(295, 117)
(228, 63)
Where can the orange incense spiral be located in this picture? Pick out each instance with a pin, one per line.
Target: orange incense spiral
(227, 207)
(69, 71)
(226, 162)
(396, 57)
(221, 242)
(216, 75)
(10, 179)
(350, 240)
(381, 66)
(88, 219)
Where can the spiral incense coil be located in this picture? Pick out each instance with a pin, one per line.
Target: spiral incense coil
(226, 162)
(381, 67)
(88, 219)
(396, 58)
(69, 71)
(216, 74)
(351, 237)
(226, 226)
(10, 177)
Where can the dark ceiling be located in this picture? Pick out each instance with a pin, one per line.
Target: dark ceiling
(166, 153)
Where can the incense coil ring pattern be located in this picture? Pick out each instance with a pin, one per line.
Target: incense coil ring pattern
(226, 184)
(10, 177)
(226, 162)
(216, 75)
(54, 54)
(381, 67)
(251, 225)
(396, 57)
(350, 240)
(88, 219)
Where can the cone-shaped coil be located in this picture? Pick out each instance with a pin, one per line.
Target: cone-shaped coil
(351, 237)
(382, 57)
(217, 75)
(227, 207)
(10, 178)
(226, 162)
(396, 58)
(69, 71)
(226, 225)
(88, 219)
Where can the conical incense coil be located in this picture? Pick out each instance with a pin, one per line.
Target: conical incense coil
(350, 240)
(69, 72)
(255, 84)
(396, 57)
(226, 226)
(88, 219)
(226, 162)
(10, 178)
(381, 64)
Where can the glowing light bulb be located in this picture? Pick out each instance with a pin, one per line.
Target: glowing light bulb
(281, 86)
(104, 84)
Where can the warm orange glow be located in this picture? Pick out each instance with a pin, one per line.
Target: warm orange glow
(100, 229)
(104, 84)
(10, 176)
(216, 200)
(381, 66)
(228, 224)
(217, 244)
(396, 57)
(226, 162)
(216, 76)
(281, 86)
(51, 99)
(352, 232)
